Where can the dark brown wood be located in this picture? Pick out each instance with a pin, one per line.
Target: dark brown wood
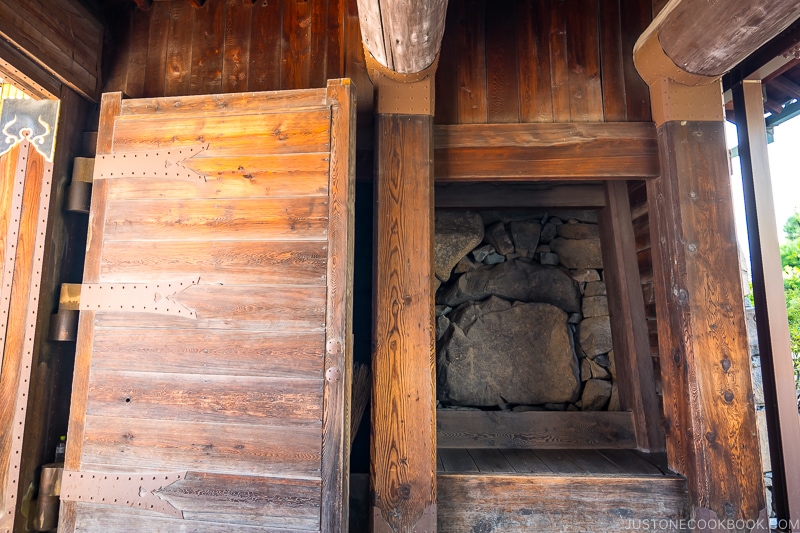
(528, 151)
(635, 15)
(60, 35)
(447, 87)
(540, 430)
(501, 66)
(140, 35)
(503, 502)
(155, 71)
(265, 47)
(533, 51)
(402, 37)
(637, 391)
(472, 102)
(611, 56)
(709, 415)
(207, 42)
(404, 385)
(179, 42)
(237, 46)
(296, 57)
(774, 348)
(559, 67)
(707, 39)
(503, 195)
(583, 60)
(252, 398)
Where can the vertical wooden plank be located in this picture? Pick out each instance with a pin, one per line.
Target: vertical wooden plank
(636, 16)
(783, 424)
(264, 73)
(335, 40)
(559, 69)
(447, 89)
(472, 63)
(613, 73)
(533, 51)
(709, 415)
(179, 48)
(501, 64)
(634, 365)
(109, 110)
(140, 37)
(296, 58)
(157, 49)
(338, 330)
(318, 46)
(404, 386)
(119, 24)
(207, 46)
(235, 60)
(583, 59)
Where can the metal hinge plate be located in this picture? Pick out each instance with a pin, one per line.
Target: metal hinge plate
(166, 163)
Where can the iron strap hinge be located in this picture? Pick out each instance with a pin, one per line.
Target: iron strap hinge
(139, 491)
(149, 297)
(167, 163)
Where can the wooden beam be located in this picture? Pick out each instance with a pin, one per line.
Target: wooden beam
(404, 37)
(535, 429)
(528, 195)
(636, 383)
(70, 49)
(710, 423)
(707, 39)
(523, 152)
(771, 319)
(404, 387)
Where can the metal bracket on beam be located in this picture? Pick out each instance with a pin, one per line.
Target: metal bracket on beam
(139, 491)
(169, 163)
(402, 94)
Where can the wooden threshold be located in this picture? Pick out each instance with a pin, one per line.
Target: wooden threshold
(535, 429)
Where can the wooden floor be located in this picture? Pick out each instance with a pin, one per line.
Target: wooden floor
(556, 491)
(550, 462)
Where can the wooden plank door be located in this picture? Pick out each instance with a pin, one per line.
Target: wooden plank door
(213, 360)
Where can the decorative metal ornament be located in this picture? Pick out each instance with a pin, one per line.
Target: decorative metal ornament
(32, 120)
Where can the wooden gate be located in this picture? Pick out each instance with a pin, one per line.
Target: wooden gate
(213, 361)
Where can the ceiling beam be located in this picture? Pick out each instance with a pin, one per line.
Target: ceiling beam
(404, 37)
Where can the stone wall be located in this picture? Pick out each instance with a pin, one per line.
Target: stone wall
(522, 316)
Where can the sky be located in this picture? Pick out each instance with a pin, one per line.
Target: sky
(784, 160)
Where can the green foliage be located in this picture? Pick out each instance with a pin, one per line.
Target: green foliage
(790, 259)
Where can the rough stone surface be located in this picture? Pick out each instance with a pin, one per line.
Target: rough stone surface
(455, 234)
(578, 253)
(526, 236)
(548, 258)
(480, 254)
(497, 236)
(516, 280)
(598, 372)
(595, 288)
(495, 258)
(464, 265)
(548, 232)
(579, 231)
(594, 335)
(596, 394)
(497, 357)
(613, 403)
(595, 306)
(586, 369)
(586, 275)
(542, 248)
(442, 323)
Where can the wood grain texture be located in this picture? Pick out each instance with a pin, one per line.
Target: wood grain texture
(235, 58)
(533, 52)
(611, 57)
(509, 503)
(559, 62)
(540, 430)
(155, 69)
(505, 195)
(403, 401)
(565, 151)
(265, 47)
(710, 419)
(637, 391)
(636, 16)
(179, 47)
(472, 80)
(207, 45)
(296, 43)
(583, 60)
(501, 65)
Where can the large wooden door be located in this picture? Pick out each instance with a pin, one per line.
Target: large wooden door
(213, 361)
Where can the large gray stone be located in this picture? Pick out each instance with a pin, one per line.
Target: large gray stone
(578, 253)
(595, 306)
(595, 288)
(456, 233)
(594, 335)
(516, 280)
(596, 394)
(497, 236)
(518, 354)
(579, 231)
(526, 236)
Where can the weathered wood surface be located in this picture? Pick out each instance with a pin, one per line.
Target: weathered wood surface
(553, 503)
(404, 385)
(556, 151)
(709, 415)
(634, 365)
(403, 37)
(251, 396)
(61, 35)
(711, 38)
(540, 430)
(529, 195)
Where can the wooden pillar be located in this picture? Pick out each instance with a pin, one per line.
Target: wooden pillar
(404, 389)
(771, 320)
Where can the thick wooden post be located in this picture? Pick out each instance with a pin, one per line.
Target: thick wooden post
(771, 321)
(708, 398)
(404, 389)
